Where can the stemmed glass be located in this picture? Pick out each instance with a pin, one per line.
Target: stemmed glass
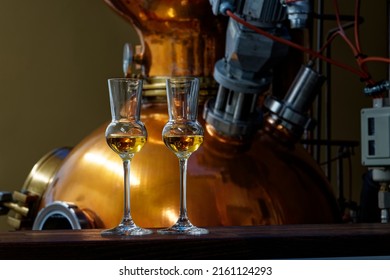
(183, 135)
(126, 135)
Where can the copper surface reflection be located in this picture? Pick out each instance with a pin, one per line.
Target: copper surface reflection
(229, 182)
(269, 184)
(177, 37)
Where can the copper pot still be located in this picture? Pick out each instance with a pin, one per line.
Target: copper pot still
(268, 184)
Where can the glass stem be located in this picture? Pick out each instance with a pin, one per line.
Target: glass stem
(126, 212)
(183, 189)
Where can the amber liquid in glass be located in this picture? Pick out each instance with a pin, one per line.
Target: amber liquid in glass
(183, 146)
(125, 145)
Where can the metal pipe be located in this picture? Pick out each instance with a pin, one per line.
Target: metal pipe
(320, 32)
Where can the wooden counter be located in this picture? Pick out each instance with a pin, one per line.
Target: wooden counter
(257, 242)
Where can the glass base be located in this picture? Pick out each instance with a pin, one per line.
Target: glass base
(126, 230)
(183, 228)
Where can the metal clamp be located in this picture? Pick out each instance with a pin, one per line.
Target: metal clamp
(62, 215)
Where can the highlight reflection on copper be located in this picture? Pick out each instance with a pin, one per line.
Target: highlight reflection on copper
(229, 182)
(184, 37)
(225, 186)
(114, 166)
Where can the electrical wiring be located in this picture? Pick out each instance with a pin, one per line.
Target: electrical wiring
(356, 27)
(361, 59)
(341, 31)
(374, 58)
(313, 53)
(332, 35)
(335, 32)
(356, 50)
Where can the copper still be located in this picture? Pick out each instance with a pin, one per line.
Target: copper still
(230, 182)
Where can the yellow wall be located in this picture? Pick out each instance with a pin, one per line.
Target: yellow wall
(55, 58)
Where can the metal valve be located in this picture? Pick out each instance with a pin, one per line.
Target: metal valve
(20, 207)
(384, 202)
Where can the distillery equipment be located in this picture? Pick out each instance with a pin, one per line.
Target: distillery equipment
(375, 136)
(244, 173)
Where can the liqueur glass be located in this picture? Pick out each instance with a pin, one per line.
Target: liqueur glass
(126, 135)
(183, 135)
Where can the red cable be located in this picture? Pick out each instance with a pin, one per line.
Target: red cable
(374, 58)
(330, 40)
(355, 49)
(332, 34)
(356, 29)
(362, 75)
(340, 27)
